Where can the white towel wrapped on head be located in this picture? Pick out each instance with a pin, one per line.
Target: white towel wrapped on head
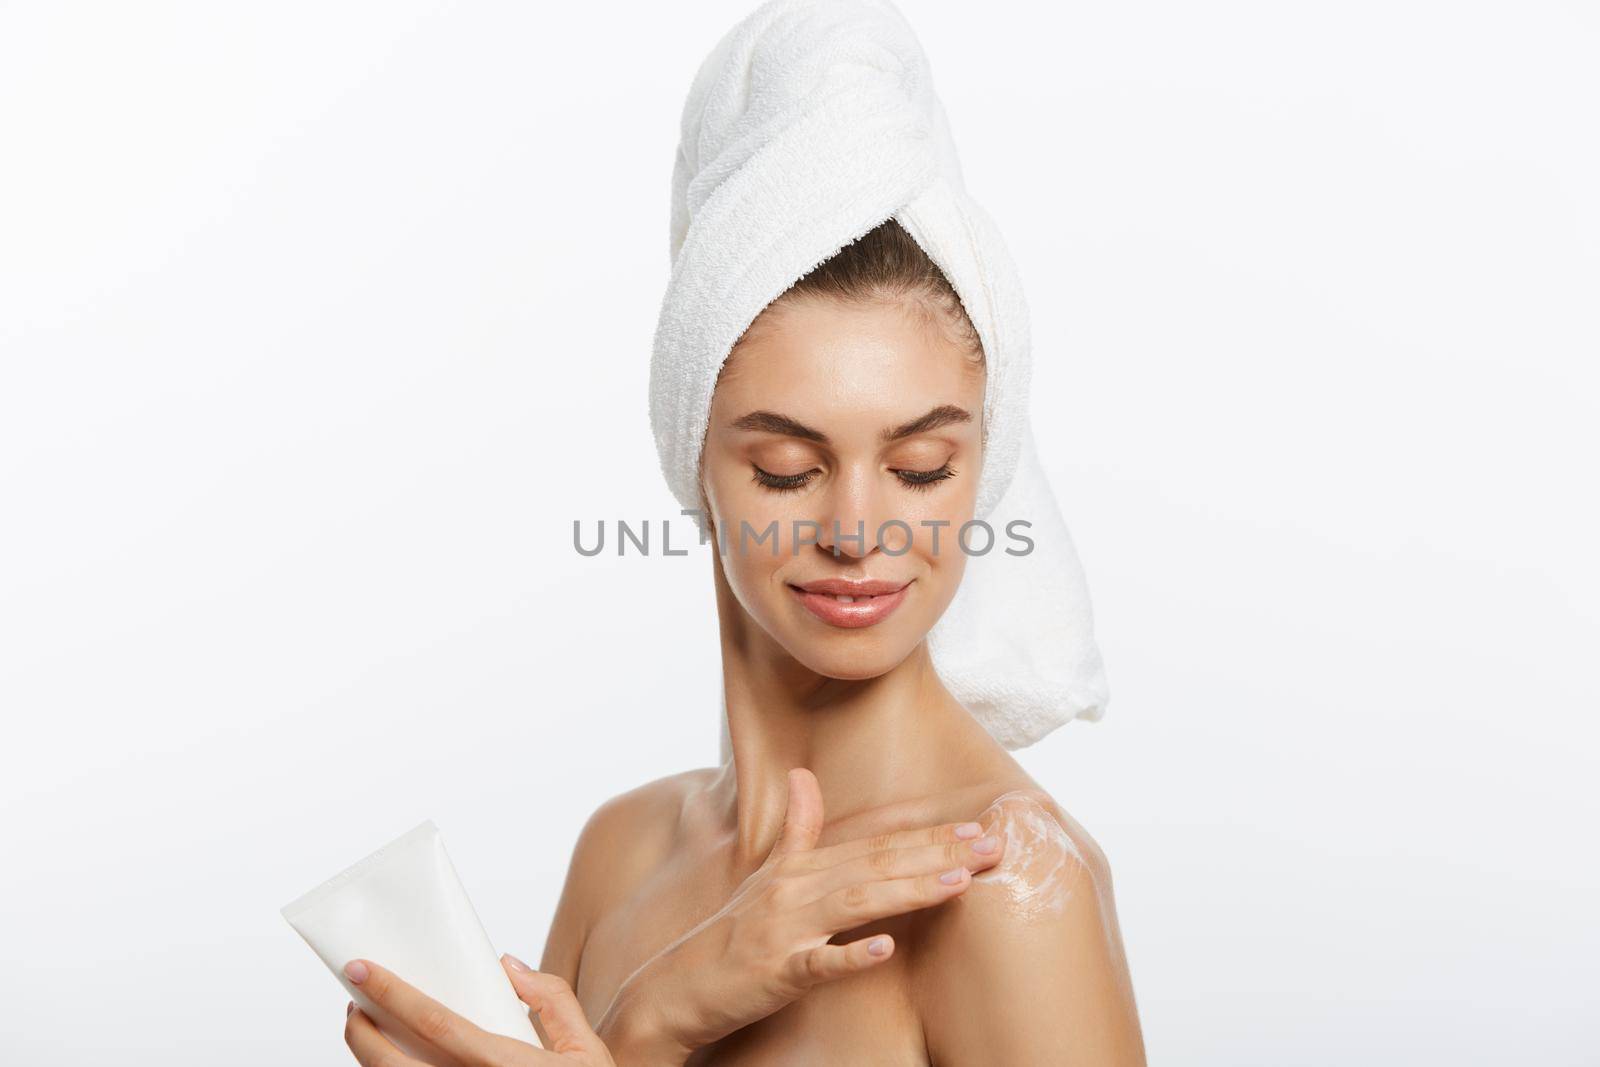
(809, 124)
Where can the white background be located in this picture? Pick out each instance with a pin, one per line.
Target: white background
(322, 322)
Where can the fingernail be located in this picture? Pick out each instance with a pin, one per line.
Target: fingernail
(968, 830)
(878, 946)
(356, 971)
(516, 964)
(350, 1007)
(987, 845)
(952, 877)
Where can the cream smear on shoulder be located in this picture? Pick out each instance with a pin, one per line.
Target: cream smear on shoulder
(1041, 865)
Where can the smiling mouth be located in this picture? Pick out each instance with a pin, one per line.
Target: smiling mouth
(864, 604)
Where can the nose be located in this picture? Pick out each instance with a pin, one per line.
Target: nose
(852, 508)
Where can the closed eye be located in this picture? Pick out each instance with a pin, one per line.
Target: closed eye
(787, 483)
(921, 480)
(783, 483)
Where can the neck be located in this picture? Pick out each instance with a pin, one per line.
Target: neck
(870, 742)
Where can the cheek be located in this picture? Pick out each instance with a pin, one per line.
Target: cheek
(943, 565)
(936, 518)
(741, 506)
(735, 499)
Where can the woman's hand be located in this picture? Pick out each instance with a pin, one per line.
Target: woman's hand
(770, 943)
(452, 1041)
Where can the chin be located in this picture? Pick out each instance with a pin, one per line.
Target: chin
(850, 659)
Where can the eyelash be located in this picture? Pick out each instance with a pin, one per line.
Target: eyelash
(922, 481)
(918, 481)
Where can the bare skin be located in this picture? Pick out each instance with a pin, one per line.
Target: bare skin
(1023, 962)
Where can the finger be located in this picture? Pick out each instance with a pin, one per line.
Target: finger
(559, 1011)
(457, 1037)
(889, 863)
(802, 820)
(370, 1047)
(826, 963)
(847, 908)
(942, 834)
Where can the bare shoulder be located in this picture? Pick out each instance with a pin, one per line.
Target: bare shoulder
(623, 840)
(629, 835)
(1028, 965)
(1048, 846)
(1051, 870)
(1048, 855)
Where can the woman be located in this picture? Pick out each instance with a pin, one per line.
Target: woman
(852, 399)
(975, 917)
(869, 877)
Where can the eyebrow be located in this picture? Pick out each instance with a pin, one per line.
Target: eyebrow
(773, 422)
(943, 415)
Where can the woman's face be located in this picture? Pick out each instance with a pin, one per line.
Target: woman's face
(831, 420)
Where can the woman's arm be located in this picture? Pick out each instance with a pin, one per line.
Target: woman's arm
(610, 852)
(1028, 967)
(569, 927)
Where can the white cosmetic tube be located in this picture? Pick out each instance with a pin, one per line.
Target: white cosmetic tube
(404, 908)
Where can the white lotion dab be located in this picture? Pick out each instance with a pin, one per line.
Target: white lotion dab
(1041, 863)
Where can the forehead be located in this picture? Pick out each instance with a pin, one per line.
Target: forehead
(828, 360)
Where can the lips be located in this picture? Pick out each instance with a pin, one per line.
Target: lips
(851, 604)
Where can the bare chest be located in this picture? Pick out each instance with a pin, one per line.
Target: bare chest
(865, 1019)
